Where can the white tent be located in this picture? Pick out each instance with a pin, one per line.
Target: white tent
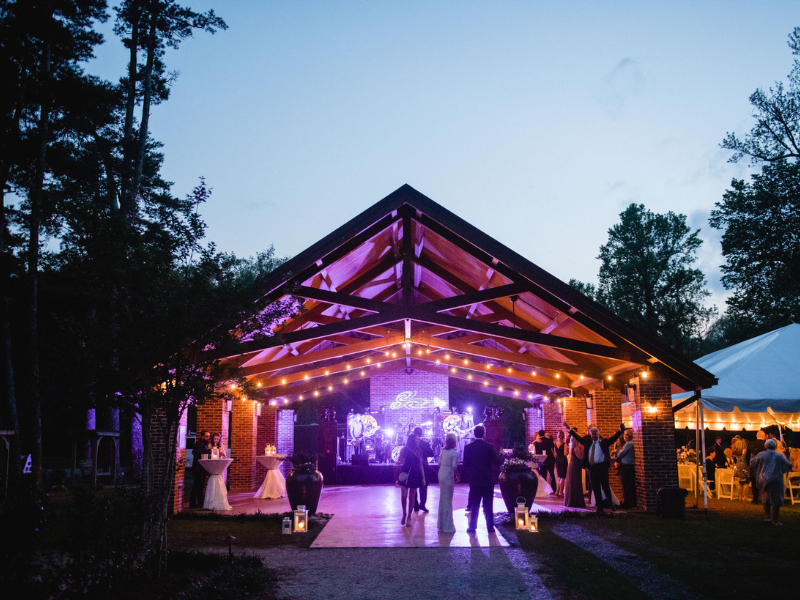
(759, 384)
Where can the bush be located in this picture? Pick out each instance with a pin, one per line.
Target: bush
(222, 578)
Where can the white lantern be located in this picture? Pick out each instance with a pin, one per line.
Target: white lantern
(521, 515)
(301, 519)
(286, 527)
(534, 526)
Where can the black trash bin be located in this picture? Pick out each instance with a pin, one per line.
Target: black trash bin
(671, 503)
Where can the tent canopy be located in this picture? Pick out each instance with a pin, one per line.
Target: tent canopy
(759, 375)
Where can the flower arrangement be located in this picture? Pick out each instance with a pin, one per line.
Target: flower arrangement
(686, 456)
(303, 463)
(516, 465)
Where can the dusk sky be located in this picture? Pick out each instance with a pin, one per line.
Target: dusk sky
(537, 122)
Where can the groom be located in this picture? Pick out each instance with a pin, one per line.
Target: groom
(479, 458)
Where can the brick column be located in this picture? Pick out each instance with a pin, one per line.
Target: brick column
(534, 421)
(212, 415)
(244, 434)
(266, 433)
(575, 413)
(606, 414)
(553, 417)
(159, 447)
(285, 436)
(653, 439)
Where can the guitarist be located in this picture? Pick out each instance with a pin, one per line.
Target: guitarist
(465, 433)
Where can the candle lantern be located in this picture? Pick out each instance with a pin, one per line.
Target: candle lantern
(301, 519)
(286, 527)
(521, 515)
(534, 527)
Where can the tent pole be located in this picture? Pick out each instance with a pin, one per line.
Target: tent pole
(703, 455)
(696, 453)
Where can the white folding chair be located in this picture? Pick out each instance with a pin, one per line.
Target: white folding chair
(686, 476)
(792, 481)
(725, 484)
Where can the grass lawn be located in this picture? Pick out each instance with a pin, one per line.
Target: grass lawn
(631, 556)
(194, 530)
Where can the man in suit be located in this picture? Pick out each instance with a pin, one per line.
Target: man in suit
(597, 458)
(427, 452)
(756, 447)
(479, 460)
(198, 472)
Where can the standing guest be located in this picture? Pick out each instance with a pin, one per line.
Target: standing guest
(546, 446)
(217, 446)
(741, 469)
(448, 477)
(412, 476)
(767, 469)
(573, 489)
(626, 458)
(597, 458)
(756, 448)
(561, 464)
(479, 457)
(719, 454)
(711, 469)
(198, 472)
(426, 452)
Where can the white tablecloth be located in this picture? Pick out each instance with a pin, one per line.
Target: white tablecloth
(216, 494)
(274, 485)
(544, 490)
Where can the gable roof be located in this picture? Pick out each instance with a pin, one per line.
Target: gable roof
(409, 284)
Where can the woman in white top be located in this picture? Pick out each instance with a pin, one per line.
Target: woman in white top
(448, 477)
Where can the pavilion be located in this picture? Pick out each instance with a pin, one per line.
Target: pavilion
(410, 296)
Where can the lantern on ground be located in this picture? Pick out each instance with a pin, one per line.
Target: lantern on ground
(301, 519)
(286, 527)
(534, 527)
(521, 515)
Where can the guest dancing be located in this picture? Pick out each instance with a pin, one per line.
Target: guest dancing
(479, 458)
(573, 489)
(561, 464)
(412, 476)
(597, 458)
(626, 457)
(544, 445)
(425, 452)
(448, 477)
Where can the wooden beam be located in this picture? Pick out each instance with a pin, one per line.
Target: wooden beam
(353, 367)
(407, 283)
(570, 371)
(312, 357)
(477, 297)
(480, 371)
(339, 298)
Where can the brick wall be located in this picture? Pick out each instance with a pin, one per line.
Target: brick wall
(606, 414)
(553, 417)
(409, 397)
(242, 472)
(534, 421)
(653, 439)
(212, 415)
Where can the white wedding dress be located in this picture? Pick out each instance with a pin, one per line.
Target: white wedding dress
(448, 461)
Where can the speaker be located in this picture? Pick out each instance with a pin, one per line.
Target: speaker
(360, 460)
(327, 438)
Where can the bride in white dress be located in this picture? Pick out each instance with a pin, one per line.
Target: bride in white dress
(448, 476)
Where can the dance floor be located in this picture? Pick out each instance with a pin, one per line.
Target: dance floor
(368, 516)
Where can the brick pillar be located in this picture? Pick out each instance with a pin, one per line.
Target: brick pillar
(244, 435)
(575, 413)
(534, 421)
(553, 417)
(212, 415)
(606, 414)
(285, 434)
(159, 447)
(653, 439)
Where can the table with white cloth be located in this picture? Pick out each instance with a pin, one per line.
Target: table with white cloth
(543, 490)
(216, 494)
(274, 485)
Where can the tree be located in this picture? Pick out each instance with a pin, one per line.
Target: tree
(776, 134)
(646, 276)
(761, 245)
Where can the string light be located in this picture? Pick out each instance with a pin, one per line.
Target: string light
(346, 381)
(300, 396)
(558, 375)
(379, 365)
(330, 388)
(394, 354)
(530, 396)
(500, 388)
(259, 384)
(609, 377)
(286, 401)
(509, 369)
(644, 374)
(306, 377)
(485, 383)
(516, 392)
(581, 376)
(447, 357)
(326, 371)
(453, 369)
(233, 386)
(316, 393)
(387, 353)
(429, 351)
(348, 365)
(362, 373)
(369, 360)
(419, 352)
(437, 361)
(469, 376)
(489, 367)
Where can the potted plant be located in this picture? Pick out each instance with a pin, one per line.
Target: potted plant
(517, 480)
(304, 482)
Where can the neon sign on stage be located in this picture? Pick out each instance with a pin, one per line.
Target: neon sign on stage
(409, 399)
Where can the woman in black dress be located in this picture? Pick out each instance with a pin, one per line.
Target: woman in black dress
(573, 491)
(561, 464)
(412, 476)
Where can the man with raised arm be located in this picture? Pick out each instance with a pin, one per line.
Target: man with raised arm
(597, 458)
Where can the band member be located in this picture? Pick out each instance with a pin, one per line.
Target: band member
(356, 433)
(465, 433)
